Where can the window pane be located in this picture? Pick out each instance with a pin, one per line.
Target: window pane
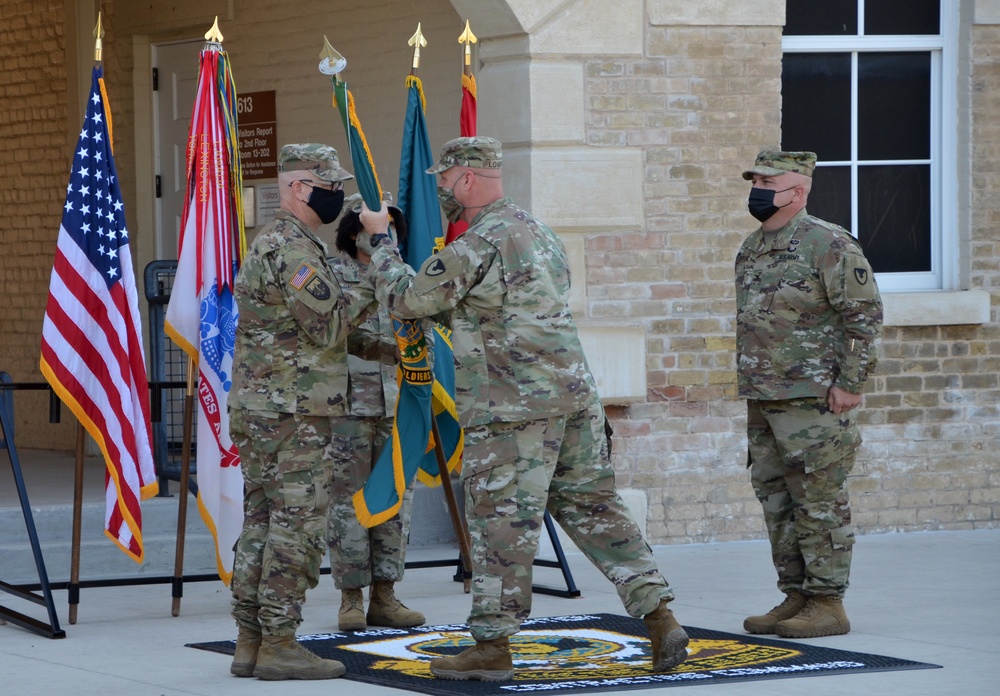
(901, 16)
(816, 104)
(814, 17)
(894, 217)
(894, 105)
(830, 197)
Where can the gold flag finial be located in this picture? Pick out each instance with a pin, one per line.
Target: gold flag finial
(98, 35)
(214, 35)
(467, 38)
(331, 62)
(417, 41)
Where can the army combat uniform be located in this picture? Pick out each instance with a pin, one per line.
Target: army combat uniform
(359, 555)
(808, 318)
(534, 426)
(289, 384)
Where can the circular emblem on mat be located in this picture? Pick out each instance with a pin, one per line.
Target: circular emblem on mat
(569, 654)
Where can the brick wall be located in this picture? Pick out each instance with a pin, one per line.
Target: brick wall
(700, 103)
(34, 165)
(267, 51)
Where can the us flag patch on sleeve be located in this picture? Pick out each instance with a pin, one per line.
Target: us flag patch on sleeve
(302, 276)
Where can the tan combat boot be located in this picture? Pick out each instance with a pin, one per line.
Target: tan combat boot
(352, 610)
(822, 616)
(385, 610)
(669, 640)
(488, 660)
(794, 602)
(283, 657)
(245, 657)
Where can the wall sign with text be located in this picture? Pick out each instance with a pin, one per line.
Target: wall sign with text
(258, 135)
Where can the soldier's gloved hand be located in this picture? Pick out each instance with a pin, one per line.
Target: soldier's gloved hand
(377, 231)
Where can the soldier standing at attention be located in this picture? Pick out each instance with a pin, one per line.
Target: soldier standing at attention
(361, 557)
(808, 316)
(289, 383)
(534, 425)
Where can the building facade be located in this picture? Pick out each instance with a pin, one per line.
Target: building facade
(626, 131)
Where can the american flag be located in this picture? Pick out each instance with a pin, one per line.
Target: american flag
(92, 353)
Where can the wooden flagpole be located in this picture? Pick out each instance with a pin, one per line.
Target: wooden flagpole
(178, 579)
(74, 564)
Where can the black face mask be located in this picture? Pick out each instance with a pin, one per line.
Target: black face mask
(761, 202)
(326, 204)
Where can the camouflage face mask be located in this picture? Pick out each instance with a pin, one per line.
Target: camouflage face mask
(449, 204)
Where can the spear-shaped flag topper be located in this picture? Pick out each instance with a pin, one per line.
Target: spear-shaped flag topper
(99, 40)
(468, 38)
(417, 41)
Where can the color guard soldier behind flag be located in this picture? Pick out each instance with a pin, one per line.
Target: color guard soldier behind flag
(360, 556)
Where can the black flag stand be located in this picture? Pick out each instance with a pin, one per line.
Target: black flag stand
(50, 629)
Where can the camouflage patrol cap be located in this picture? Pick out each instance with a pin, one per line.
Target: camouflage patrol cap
(775, 162)
(352, 204)
(319, 160)
(479, 152)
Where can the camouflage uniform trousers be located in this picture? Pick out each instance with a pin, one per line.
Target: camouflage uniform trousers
(359, 555)
(286, 474)
(801, 454)
(512, 473)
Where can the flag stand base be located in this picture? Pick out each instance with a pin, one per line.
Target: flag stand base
(50, 629)
(571, 591)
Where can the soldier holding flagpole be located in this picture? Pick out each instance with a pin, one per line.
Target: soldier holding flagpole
(534, 424)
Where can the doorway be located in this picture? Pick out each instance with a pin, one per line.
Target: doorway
(176, 68)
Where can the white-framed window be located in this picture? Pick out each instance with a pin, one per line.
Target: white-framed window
(871, 87)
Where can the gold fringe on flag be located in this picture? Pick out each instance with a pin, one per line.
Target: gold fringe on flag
(469, 83)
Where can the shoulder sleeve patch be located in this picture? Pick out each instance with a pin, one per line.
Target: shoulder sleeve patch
(435, 268)
(438, 270)
(302, 275)
(859, 281)
(318, 289)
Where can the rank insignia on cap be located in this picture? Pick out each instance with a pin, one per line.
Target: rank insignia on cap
(302, 276)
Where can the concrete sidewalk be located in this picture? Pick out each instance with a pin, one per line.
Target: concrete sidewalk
(931, 596)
